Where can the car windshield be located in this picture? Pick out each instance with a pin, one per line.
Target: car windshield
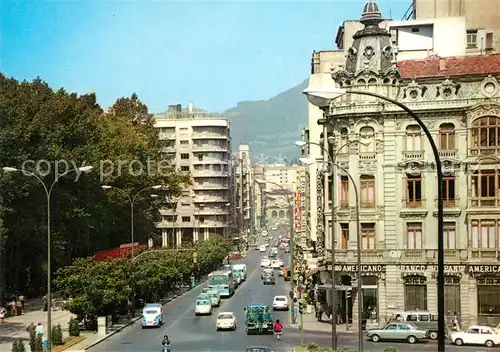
(225, 316)
(280, 299)
(151, 312)
(203, 303)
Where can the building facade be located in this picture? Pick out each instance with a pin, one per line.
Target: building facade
(394, 170)
(199, 144)
(416, 37)
(244, 181)
(279, 190)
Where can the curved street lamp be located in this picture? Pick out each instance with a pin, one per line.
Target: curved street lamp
(322, 98)
(292, 232)
(48, 192)
(332, 159)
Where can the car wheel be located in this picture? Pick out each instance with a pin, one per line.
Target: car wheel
(459, 342)
(217, 329)
(234, 329)
(274, 309)
(433, 335)
(489, 343)
(375, 338)
(412, 339)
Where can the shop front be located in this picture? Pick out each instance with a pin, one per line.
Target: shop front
(487, 280)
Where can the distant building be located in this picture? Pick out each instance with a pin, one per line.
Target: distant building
(199, 143)
(244, 191)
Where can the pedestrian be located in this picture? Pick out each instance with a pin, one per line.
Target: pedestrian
(13, 308)
(45, 303)
(3, 311)
(39, 330)
(21, 299)
(31, 328)
(19, 307)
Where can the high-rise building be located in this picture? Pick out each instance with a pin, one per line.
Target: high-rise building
(244, 182)
(199, 143)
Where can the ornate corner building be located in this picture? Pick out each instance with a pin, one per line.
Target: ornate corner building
(458, 99)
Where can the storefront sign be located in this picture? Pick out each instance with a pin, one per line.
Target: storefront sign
(412, 268)
(364, 268)
(483, 269)
(299, 202)
(450, 269)
(415, 280)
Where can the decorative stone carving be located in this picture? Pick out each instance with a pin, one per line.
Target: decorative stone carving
(413, 91)
(368, 121)
(380, 212)
(367, 166)
(369, 52)
(320, 216)
(352, 213)
(379, 146)
(352, 53)
(447, 89)
(480, 110)
(489, 87)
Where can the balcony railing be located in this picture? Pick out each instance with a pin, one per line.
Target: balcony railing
(414, 253)
(205, 161)
(164, 135)
(209, 135)
(367, 155)
(484, 202)
(449, 203)
(201, 199)
(344, 204)
(209, 148)
(413, 154)
(209, 186)
(367, 204)
(413, 203)
(211, 224)
(212, 211)
(451, 153)
(484, 150)
(483, 253)
(168, 149)
(210, 173)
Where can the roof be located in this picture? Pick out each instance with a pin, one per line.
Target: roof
(226, 313)
(436, 66)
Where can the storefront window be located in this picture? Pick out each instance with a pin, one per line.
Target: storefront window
(488, 289)
(415, 293)
(370, 301)
(452, 295)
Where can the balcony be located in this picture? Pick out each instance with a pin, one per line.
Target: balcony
(167, 136)
(210, 199)
(212, 224)
(448, 154)
(209, 148)
(344, 205)
(414, 253)
(483, 253)
(170, 149)
(209, 161)
(485, 150)
(449, 203)
(413, 203)
(209, 186)
(484, 202)
(367, 204)
(413, 155)
(212, 211)
(210, 173)
(209, 135)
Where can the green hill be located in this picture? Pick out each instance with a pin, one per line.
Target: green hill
(271, 126)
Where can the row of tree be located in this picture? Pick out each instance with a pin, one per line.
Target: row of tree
(45, 131)
(99, 288)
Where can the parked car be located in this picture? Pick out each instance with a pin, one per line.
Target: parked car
(397, 332)
(476, 335)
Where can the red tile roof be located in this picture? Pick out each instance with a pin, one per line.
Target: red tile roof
(435, 66)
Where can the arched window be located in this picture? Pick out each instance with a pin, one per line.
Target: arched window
(367, 140)
(447, 136)
(413, 138)
(282, 214)
(485, 135)
(415, 293)
(274, 214)
(344, 138)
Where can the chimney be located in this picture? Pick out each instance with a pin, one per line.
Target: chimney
(442, 64)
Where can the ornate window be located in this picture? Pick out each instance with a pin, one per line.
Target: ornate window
(344, 192)
(367, 140)
(344, 140)
(447, 136)
(414, 191)
(484, 233)
(415, 293)
(414, 235)
(344, 236)
(367, 190)
(450, 235)
(368, 236)
(413, 138)
(449, 191)
(485, 185)
(485, 136)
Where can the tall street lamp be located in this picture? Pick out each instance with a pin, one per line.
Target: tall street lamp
(292, 247)
(333, 158)
(131, 200)
(48, 192)
(322, 98)
(358, 250)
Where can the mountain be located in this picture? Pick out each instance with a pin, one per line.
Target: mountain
(270, 127)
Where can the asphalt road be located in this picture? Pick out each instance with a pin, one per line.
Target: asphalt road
(190, 333)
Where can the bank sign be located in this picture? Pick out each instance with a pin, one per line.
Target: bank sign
(364, 268)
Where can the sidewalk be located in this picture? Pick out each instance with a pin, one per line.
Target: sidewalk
(14, 327)
(312, 324)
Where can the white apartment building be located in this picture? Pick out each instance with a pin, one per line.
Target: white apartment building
(458, 99)
(244, 189)
(199, 144)
(279, 188)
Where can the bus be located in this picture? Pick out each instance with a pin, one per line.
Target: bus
(222, 281)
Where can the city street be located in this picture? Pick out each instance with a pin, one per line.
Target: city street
(191, 333)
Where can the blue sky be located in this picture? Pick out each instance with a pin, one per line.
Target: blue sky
(211, 54)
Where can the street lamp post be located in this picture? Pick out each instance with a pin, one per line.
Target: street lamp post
(358, 250)
(322, 97)
(292, 237)
(333, 159)
(48, 193)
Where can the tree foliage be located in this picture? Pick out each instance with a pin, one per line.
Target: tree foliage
(69, 131)
(99, 288)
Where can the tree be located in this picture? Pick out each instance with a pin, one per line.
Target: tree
(41, 124)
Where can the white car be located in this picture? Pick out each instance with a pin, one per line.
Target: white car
(203, 306)
(226, 321)
(274, 251)
(280, 303)
(265, 262)
(262, 248)
(275, 264)
(264, 233)
(476, 335)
